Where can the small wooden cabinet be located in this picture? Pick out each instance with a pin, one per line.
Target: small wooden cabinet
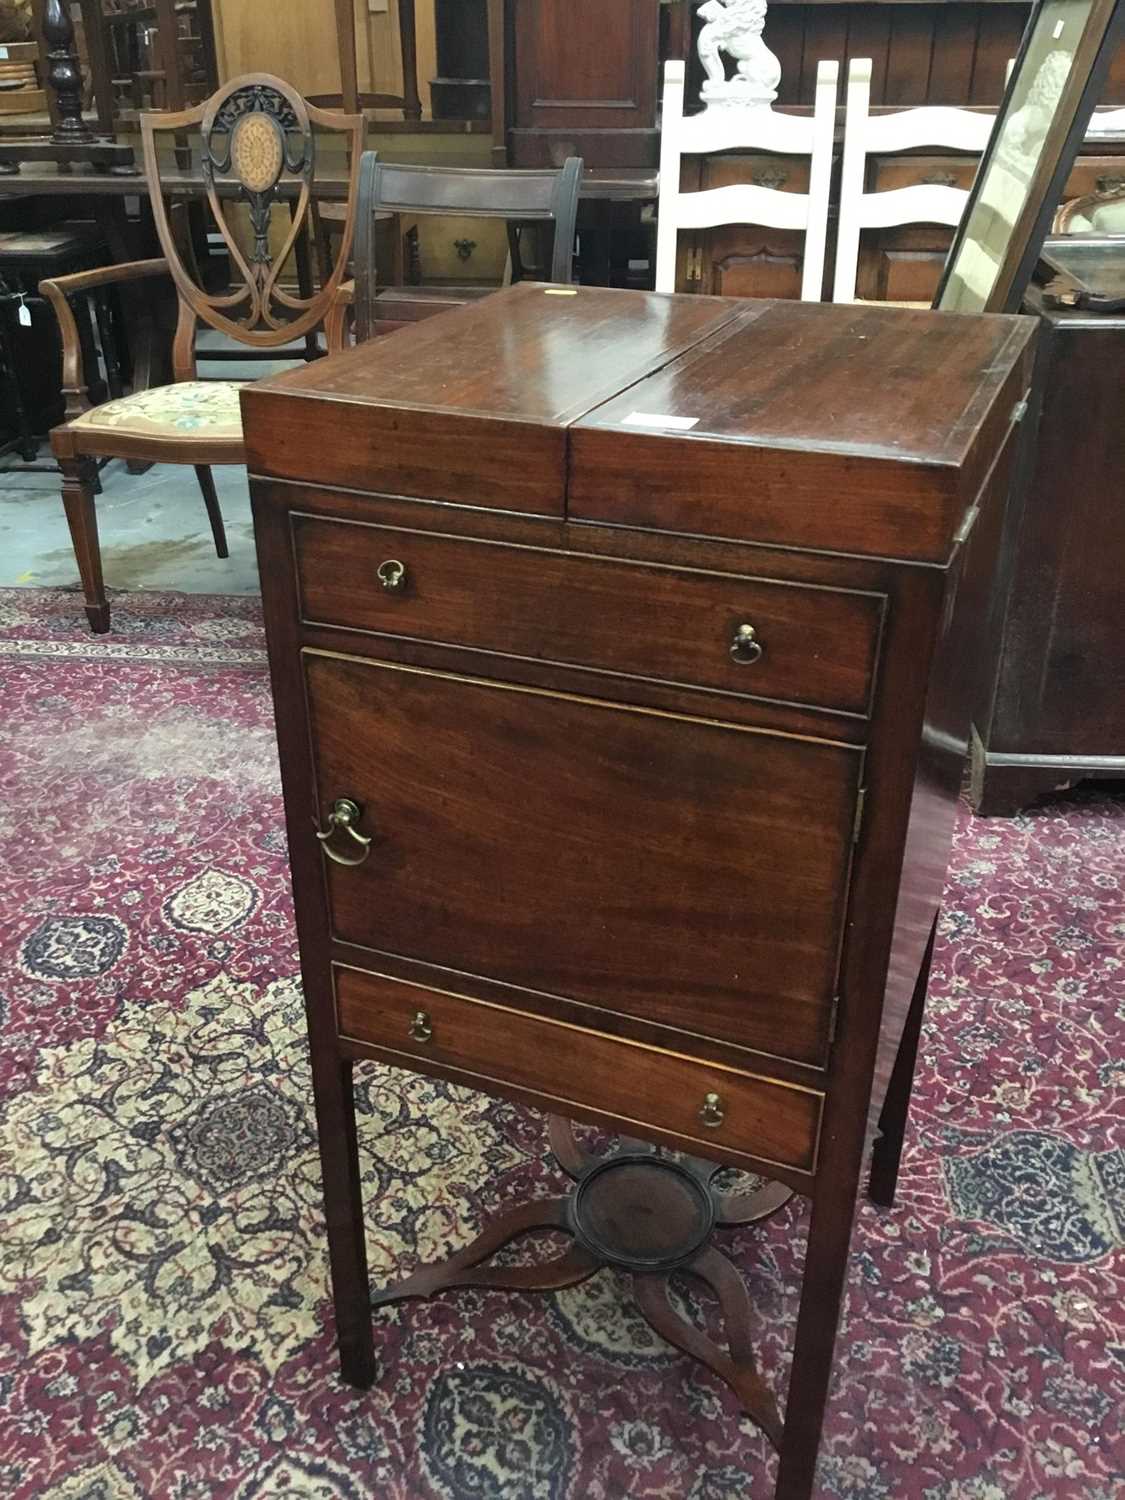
(623, 648)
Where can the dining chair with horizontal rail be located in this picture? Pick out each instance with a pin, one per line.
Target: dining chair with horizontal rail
(520, 197)
(258, 154)
(866, 135)
(735, 128)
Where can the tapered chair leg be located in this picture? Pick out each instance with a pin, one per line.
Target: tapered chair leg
(81, 516)
(214, 514)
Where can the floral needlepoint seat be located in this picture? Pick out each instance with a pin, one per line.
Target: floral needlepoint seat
(207, 407)
(255, 160)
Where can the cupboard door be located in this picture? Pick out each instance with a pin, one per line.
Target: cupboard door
(903, 264)
(588, 64)
(643, 863)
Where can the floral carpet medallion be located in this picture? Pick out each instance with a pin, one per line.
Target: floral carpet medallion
(165, 1326)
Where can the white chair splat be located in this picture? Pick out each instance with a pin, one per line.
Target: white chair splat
(922, 203)
(755, 127)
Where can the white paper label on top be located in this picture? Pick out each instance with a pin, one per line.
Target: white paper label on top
(655, 419)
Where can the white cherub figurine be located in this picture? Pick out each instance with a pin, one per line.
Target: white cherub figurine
(735, 27)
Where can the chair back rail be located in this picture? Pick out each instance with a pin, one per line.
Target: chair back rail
(350, 98)
(540, 195)
(729, 129)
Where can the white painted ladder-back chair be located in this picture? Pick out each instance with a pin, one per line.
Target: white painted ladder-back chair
(732, 128)
(921, 203)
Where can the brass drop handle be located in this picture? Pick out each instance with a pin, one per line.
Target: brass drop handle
(344, 816)
(712, 1111)
(422, 1028)
(745, 647)
(392, 575)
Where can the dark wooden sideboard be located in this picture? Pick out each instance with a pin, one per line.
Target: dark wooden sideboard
(622, 648)
(1054, 713)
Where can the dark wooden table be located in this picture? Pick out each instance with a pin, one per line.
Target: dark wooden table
(620, 185)
(82, 192)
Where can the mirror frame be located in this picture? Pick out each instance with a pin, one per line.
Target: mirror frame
(1104, 28)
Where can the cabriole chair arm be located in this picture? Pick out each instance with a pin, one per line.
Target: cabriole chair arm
(58, 290)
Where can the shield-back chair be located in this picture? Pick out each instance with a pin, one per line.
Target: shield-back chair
(259, 147)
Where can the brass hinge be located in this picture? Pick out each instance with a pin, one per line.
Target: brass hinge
(832, 1020)
(860, 803)
(695, 273)
(1019, 411)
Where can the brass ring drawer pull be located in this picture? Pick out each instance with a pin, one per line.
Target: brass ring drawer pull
(745, 647)
(422, 1028)
(392, 575)
(344, 816)
(712, 1111)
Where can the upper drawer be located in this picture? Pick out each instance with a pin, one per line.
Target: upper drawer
(808, 644)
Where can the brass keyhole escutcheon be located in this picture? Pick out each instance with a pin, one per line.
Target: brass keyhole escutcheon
(392, 575)
(344, 816)
(712, 1111)
(422, 1028)
(745, 647)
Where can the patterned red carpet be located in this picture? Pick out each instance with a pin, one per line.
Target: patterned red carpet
(164, 1324)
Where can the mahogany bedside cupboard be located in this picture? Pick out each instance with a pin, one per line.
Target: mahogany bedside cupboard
(622, 648)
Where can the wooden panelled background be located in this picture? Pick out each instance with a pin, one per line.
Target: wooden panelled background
(296, 39)
(946, 53)
(953, 52)
(922, 54)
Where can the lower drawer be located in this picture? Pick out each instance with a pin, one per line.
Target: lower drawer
(486, 1045)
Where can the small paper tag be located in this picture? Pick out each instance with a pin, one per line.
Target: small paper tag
(654, 419)
(3, 54)
(560, 291)
(24, 315)
(1058, 31)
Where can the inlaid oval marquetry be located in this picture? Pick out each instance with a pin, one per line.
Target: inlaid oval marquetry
(257, 152)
